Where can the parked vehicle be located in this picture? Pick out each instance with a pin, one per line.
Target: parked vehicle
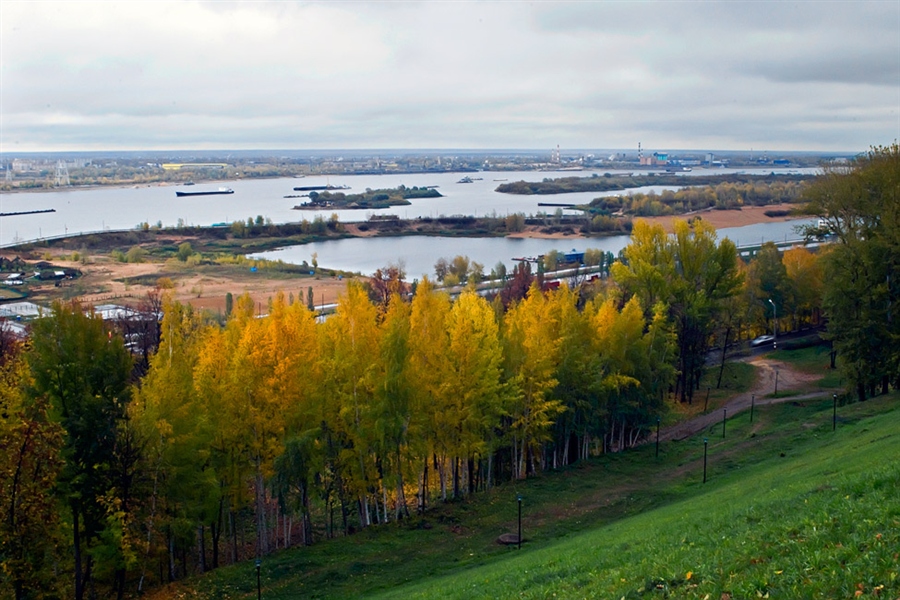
(762, 340)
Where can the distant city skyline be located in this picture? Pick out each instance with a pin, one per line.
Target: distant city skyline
(817, 76)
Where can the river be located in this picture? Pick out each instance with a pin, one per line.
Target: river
(418, 254)
(117, 208)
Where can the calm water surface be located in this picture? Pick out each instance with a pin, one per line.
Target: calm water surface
(417, 254)
(83, 211)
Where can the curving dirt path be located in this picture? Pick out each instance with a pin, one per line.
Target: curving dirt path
(767, 371)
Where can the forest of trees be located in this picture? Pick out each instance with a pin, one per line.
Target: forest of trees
(721, 196)
(609, 182)
(263, 433)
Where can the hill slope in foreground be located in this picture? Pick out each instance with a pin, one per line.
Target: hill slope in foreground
(791, 509)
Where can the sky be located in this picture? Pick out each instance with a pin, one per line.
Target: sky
(728, 75)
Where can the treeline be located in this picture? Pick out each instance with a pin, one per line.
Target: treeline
(608, 182)
(722, 196)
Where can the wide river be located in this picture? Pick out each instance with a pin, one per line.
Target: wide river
(98, 209)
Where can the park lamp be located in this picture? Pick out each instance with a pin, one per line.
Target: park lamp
(774, 324)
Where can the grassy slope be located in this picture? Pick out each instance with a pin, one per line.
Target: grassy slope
(822, 521)
(762, 523)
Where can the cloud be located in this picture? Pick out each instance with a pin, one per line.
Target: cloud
(470, 74)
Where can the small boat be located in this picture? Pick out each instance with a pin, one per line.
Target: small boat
(465, 179)
(221, 190)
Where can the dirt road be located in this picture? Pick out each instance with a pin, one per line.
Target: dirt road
(768, 370)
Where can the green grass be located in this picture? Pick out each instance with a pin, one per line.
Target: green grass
(815, 360)
(790, 509)
(737, 378)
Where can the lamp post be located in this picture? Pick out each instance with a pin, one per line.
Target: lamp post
(774, 324)
(752, 402)
(724, 419)
(258, 585)
(519, 498)
(705, 443)
(657, 437)
(834, 412)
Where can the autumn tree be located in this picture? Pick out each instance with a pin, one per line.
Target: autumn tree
(391, 409)
(531, 352)
(474, 393)
(692, 275)
(175, 425)
(349, 377)
(31, 539)
(83, 373)
(859, 205)
(579, 375)
(769, 291)
(804, 271)
(429, 343)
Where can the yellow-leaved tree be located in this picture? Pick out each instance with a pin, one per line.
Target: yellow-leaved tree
(349, 352)
(429, 346)
(475, 397)
(531, 343)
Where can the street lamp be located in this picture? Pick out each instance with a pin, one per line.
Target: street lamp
(774, 324)
(258, 586)
(519, 498)
(705, 443)
(657, 437)
(834, 412)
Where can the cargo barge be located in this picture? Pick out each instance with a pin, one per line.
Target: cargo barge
(206, 193)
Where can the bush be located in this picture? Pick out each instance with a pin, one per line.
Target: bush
(136, 254)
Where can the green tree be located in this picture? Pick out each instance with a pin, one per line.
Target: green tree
(83, 371)
(769, 291)
(135, 254)
(859, 205)
(184, 251)
(29, 466)
(176, 428)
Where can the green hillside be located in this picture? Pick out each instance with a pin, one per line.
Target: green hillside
(822, 521)
(790, 509)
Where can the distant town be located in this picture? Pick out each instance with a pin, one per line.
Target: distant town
(49, 170)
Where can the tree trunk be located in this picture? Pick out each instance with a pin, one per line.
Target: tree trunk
(305, 519)
(722, 364)
(215, 529)
(423, 489)
(76, 549)
(201, 547)
(262, 539)
(234, 543)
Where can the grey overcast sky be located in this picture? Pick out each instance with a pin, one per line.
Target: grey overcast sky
(729, 75)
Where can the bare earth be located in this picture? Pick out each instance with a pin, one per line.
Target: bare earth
(104, 280)
(789, 380)
(721, 219)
